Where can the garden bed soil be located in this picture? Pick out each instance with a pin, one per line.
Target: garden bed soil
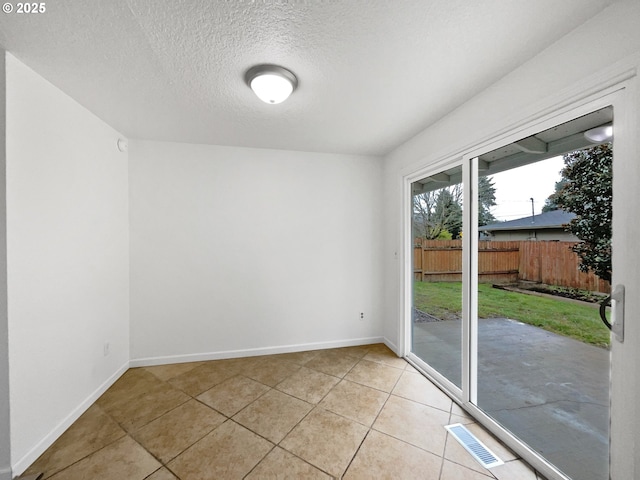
(420, 317)
(562, 292)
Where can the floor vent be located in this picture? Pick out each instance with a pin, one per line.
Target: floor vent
(475, 447)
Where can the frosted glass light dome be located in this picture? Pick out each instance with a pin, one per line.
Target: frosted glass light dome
(603, 133)
(270, 83)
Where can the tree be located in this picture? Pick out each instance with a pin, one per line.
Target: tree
(550, 203)
(438, 213)
(448, 209)
(588, 193)
(486, 200)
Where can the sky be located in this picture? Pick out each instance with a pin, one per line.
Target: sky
(516, 187)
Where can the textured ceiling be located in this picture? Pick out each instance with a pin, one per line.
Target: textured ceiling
(372, 73)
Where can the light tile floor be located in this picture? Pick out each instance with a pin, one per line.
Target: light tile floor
(353, 413)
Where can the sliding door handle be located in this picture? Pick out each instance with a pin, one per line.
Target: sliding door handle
(617, 312)
(603, 312)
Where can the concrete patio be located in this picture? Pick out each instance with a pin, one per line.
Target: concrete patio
(550, 391)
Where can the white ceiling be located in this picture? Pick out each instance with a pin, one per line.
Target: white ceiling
(372, 73)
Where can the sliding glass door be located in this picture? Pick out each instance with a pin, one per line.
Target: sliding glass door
(511, 256)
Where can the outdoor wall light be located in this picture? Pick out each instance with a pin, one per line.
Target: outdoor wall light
(601, 134)
(272, 84)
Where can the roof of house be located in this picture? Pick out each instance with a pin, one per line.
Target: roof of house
(552, 219)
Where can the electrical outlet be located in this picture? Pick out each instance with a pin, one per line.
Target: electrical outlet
(105, 349)
(361, 315)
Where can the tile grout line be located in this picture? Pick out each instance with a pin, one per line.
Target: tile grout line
(369, 428)
(86, 456)
(191, 397)
(295, 455)
(248, 404)
(231, 418)
(130, 434)
(355, 454)
(317, 406)
(260, 461)
(390, 394)
(444, 451)
(446, 441)
(314, 407)
(270, 388)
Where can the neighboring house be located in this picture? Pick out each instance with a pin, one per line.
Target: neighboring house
(545, 226)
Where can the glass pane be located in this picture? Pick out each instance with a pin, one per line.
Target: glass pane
(543, 352)
(437, 261)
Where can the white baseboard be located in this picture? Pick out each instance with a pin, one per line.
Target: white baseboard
(252, 352)
(5, 474)
(22, 464)
(391, 345)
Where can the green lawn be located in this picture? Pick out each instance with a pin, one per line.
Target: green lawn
(582, 322)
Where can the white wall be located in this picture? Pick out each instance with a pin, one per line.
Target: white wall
(577, 60)
(68, 251)
(5, 437)
(238, 251)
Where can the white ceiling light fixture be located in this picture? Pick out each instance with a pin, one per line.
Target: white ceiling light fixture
(601, 134)
(271, 83)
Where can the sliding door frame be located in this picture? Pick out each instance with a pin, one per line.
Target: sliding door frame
(618, 92)
(406, 343)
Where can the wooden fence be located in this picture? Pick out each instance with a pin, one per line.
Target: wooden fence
(552, 263)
